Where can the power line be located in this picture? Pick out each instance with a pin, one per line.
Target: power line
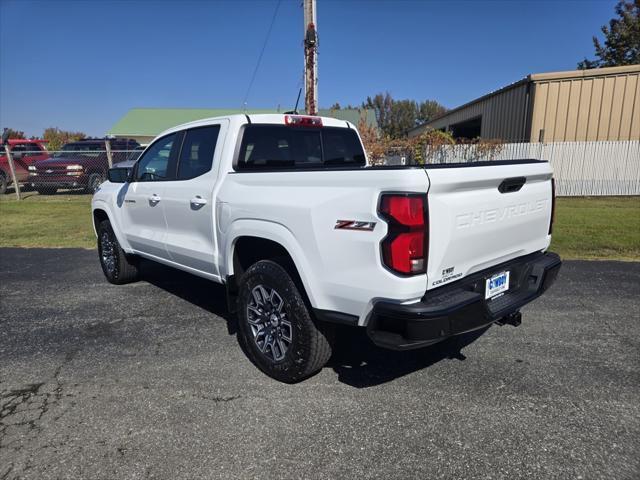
(264, 46)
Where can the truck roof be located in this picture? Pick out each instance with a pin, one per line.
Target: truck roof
(261, 118)
(128, 142)
(15, 141)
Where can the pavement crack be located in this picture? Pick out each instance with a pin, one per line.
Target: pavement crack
(220, 399)
(5, 475)
(23, 408)
(15, 398)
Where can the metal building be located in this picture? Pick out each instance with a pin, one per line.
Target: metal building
(580, 105)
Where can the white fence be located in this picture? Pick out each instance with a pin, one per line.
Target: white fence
(580, 168)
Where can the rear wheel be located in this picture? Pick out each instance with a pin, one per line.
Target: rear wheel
(3, 183)
(117, 266)
(275, 326)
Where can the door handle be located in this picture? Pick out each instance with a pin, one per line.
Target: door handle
(198, 201)
(154, 199)
(514, 184)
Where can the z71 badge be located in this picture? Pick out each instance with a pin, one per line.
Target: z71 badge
(354, 225)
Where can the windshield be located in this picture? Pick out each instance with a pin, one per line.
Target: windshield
(83, 149)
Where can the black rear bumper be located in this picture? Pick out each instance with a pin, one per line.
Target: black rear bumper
(461, 307)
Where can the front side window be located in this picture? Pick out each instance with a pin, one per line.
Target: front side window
(18, 148)
(154, 164)
(198, 148)
(27, 149)
(284, 147)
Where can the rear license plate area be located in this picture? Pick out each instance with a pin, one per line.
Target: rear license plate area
(496, 284)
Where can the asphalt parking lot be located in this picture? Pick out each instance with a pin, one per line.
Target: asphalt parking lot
(148, 381)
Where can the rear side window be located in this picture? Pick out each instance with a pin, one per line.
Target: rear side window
(198, 147)
(28, 148)
(282, 147)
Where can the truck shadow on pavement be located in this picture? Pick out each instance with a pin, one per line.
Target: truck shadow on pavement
(361, 364)
(200, 292)
(356, 360)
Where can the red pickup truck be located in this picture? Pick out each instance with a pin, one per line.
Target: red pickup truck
(24, 153)
(82, 164)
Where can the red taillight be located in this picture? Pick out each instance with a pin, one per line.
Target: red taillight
(302, 121)
(553, 204)
(404, 249)
(407, 210)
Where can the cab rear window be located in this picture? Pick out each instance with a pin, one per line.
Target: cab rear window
(266, 147)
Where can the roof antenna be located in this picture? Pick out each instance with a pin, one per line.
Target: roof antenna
(244, 110)
(295, 109)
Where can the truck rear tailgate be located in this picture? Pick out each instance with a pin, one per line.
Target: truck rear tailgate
(480, 216)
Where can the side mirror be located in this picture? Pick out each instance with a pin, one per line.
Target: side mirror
(17, 155)
(119, 175)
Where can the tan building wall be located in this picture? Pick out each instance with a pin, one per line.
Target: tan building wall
(600, 104)
(581, 105)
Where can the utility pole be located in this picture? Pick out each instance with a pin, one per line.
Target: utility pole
(310, 58)
(12, 169)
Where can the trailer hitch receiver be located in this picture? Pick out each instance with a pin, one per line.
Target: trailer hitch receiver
(514, 319)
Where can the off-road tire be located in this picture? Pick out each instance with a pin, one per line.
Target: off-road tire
(310, 346)
(124, 268)
(3, 183)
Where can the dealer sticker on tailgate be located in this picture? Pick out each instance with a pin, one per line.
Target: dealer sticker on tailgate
(497, 284)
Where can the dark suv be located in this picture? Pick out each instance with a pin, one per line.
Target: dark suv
(82, 164)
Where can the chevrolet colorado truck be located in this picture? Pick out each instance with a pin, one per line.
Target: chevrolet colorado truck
(286, 212)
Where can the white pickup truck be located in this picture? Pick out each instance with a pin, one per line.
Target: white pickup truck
(285, 211)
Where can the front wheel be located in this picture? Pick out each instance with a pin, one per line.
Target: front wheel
(275, 326)
(117, 266)
(95, 180)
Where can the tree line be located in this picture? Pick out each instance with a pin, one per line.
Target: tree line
(54, 137)
(396, 117)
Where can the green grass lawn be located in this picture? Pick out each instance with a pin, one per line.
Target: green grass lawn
(597, 228)
(588, 228)
(46, 221)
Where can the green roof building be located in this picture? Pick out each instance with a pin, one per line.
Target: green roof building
(144, 124)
